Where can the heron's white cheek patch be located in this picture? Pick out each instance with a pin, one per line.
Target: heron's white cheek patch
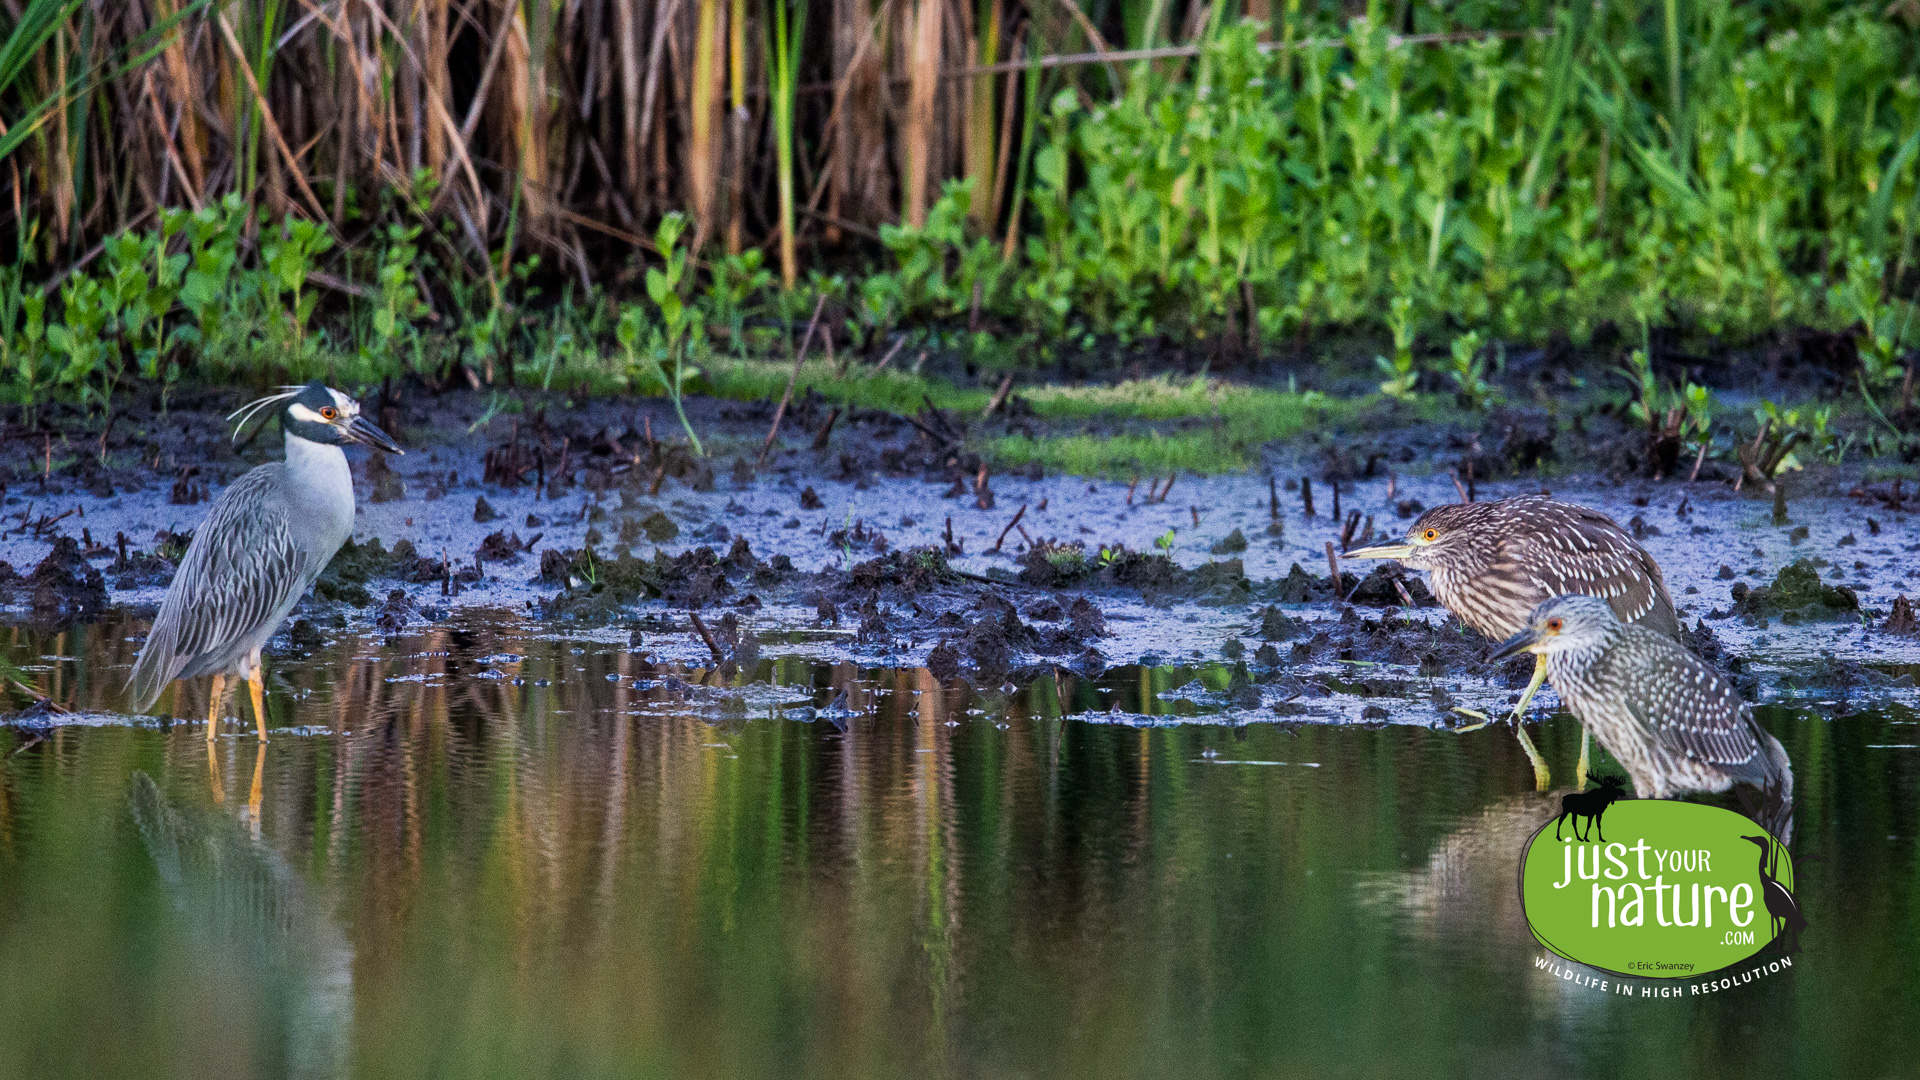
(305, 415)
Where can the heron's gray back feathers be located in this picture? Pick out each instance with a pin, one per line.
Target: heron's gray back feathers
(1545, 549)
(245, 569)
(1669, 717)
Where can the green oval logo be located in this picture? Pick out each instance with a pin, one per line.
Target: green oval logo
(1657, 889)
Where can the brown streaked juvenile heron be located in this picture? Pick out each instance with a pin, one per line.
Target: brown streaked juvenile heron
(1492, 563)
(267, 538)
(1676, 724)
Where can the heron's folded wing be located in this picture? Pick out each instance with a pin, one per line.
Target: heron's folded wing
(241, 569)
(1584, 552)
(1692, 708)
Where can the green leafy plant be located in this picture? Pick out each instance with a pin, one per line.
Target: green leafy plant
(1469, 371)
(664, 355)
(1400, 371)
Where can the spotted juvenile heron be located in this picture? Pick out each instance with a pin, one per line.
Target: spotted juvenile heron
(1673, 721)
(1492, 563)
(269, 535)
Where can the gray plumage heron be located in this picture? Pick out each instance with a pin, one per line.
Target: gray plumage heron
(1674, 722)
(257, 553)
(1492, 563)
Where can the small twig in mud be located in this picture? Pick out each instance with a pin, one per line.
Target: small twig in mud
(1306, 495)
(719, 658)
(40, 698)
(1333, 571)
(1458, 488)
(1336, 500)
(446, 574)
(1366, 531)
(1699, 460)
(1780, 505)
(1195, 511)
(826, 429)
(560, 473)
(1393, 484)
(1273, 499)
(1017, 515)
(1162, 496)
(653, 448)
(999, 396)
(887, 359)
(1349, 527)
(1134, 483)
(1023, 534)
(659, 477)
(1405, 597)
(954, 547)
(104, 432)
(1470, 492)
(799, 357)
(982, 493)
(1761, 460)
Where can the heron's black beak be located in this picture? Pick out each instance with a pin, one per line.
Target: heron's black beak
(362, 430)
(1516, 644)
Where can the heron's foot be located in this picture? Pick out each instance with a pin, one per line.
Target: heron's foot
(1474, 714)
(1542, 776)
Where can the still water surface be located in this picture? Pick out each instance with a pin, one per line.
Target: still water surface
(484, 852)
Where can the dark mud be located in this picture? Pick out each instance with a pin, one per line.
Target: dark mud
(891, 544)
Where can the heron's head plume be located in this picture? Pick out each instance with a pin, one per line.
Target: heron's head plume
(317, 413)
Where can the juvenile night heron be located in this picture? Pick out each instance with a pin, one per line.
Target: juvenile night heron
(269, 535)
(1492, 563)
(1673, 721)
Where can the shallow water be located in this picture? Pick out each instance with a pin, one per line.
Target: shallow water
(484, 851)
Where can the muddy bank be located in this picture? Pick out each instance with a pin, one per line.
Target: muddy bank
(886, 542)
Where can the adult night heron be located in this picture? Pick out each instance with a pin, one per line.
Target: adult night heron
(269, 535)
(1492, 563)
(1667, 716)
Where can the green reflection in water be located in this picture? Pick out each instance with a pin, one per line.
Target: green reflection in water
(646, 876)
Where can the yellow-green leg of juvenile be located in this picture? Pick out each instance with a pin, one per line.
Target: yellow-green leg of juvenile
(1580, 773)
(1541, 777)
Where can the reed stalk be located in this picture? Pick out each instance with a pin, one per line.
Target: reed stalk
(789, 31)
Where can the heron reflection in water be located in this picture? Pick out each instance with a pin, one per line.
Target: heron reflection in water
(252, 920)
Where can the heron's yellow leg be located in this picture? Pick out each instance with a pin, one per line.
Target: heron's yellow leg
(213, 706)
(1475, 714)
(213, 775)
(1541, 777)
(1533, 687)
(256, 689)
(253, 793)
(1580, 772)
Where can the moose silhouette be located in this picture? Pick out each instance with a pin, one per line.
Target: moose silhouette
(1590, 805)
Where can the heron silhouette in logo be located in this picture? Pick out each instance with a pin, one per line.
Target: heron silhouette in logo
(1785, 910)
(1589, 805)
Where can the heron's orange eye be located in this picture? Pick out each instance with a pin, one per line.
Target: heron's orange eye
(1553, 625)
(1430, 535)
(327, 412)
